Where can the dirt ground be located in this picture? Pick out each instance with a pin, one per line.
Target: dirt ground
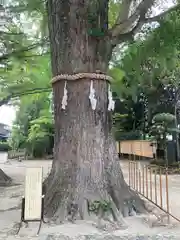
(10, 199)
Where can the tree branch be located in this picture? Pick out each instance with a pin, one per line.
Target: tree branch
(23, 49)
(36, 55)
(5, 100)
(124, 11)
(121, 33)
(124, 26)
(158, 17)
(23, 7)
(10, 33)
(129, 36)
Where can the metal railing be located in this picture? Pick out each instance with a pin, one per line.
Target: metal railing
(151, 184)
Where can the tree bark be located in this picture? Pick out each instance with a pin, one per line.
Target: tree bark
(86, 165)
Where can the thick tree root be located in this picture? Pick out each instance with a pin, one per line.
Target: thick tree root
(65, 204)
(5, 180)
(126, 199)
(72, 187)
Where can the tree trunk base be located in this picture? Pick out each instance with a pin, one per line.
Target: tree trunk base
(66, 203)
(5, 180)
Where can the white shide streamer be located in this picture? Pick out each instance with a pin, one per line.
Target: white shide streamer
(64, 99)
(111, 103)
(92, 98)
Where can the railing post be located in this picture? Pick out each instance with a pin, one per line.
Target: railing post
(129, 167)
(143, 179)
(155, 183)
(160, 188)
(139, 180)
(167, 195)
(147, 190)
(137, 185)
(150, 171)
(134, 185)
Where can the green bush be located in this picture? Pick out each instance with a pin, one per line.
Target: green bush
(175, 164)
(158, 162)
(4, 147)
(161, 162)
(122, 136)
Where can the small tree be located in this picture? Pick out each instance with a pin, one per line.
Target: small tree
(41, 135)
(162, 125)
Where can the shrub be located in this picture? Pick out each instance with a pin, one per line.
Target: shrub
(158, 162)
(122, 136)
(161, 162)
(4, 147)
(175, 164)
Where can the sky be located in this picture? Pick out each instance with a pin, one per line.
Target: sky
(8, 113)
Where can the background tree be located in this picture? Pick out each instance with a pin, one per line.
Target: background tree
(16, 45)
(151, 69)
(33, 126)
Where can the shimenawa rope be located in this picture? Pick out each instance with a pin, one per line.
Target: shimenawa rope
(79, 76)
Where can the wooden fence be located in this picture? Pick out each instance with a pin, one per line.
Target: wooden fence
(143, 148)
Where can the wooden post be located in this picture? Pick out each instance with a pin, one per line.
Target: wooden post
(139, 181)
(167, 195)
(129, 173)
(150, 171)
(134, 185)
(143, 179)
(155, 183)
(147, 190)
(160, 188)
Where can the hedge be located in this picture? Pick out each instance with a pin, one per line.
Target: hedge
(4, 147)
(133, 135)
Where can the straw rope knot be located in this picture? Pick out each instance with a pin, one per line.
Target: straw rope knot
(80, 76)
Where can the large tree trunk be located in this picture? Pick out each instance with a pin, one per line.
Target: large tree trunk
(86, 165)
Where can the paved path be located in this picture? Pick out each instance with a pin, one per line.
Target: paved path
(10, 198)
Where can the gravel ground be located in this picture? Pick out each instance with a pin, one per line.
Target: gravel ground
(97, 237)
(139, 227)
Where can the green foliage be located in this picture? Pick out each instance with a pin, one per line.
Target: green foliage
(24, 76)
(162, 124)
(152, 60)
(113, 12)
(33, 128)
(117, 74)
(158, 162)
(173, 168)
(120, 120)
(100, 207)
(131, 135)
(41, 134)
(4, 147)
(149, 65)
(164, 118)
(26, 69)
